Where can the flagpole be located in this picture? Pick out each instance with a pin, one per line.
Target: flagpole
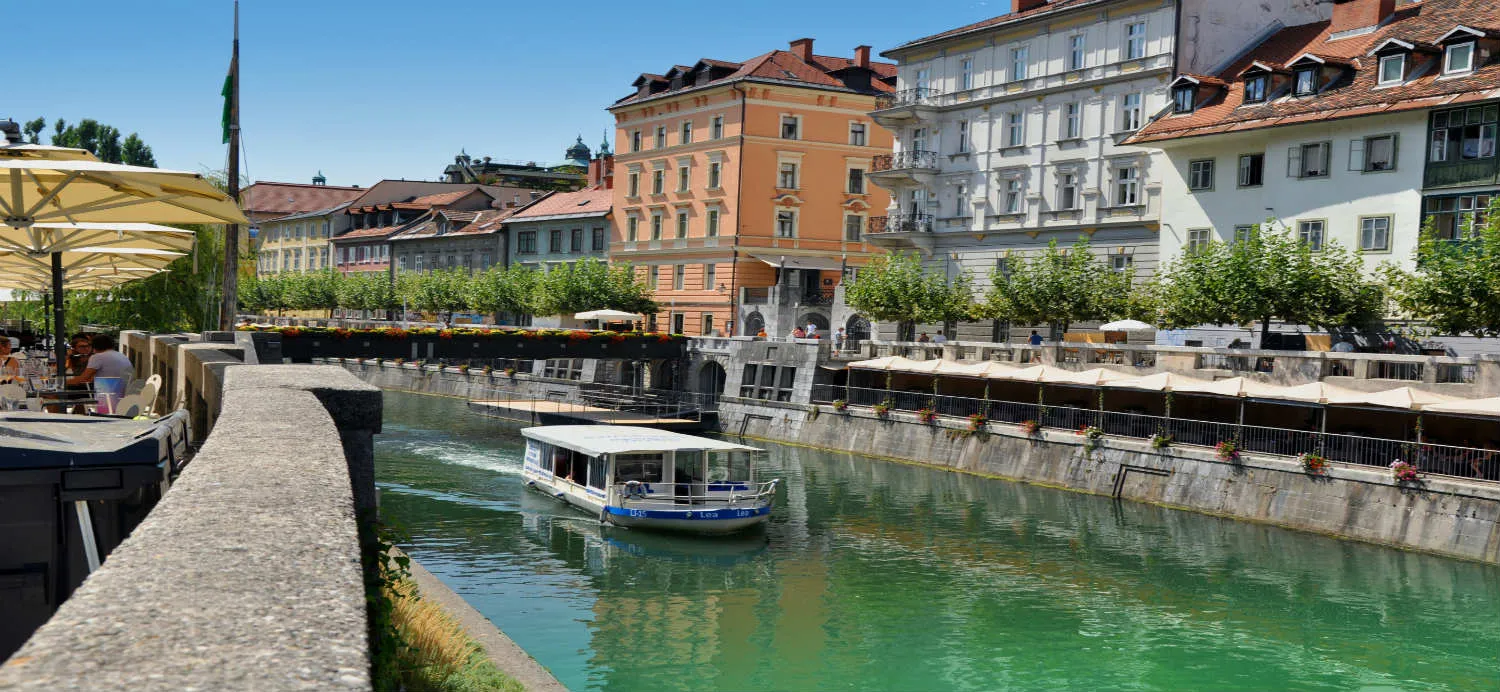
(230, 297)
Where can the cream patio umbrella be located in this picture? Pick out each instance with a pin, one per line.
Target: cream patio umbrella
(40, 187)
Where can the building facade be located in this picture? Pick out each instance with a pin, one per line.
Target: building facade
(268, 204)
(561, 228)
(572, 174)
(300, 242)
(1356, 130)
(451, 238)
(741, 189)
(1012, 133)
(389, 206)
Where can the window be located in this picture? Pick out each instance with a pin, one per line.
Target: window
(1311, 233)
(857, 135)
(854, 227)
(924, 78)
(1458, 57)
(1075, 52)
(1130, 112)
(684, 177)
(525, 245)
(919, 139)
(1127, 186)
(963, 136)
(709, 272)
(1373, 154)
(661, 136)
(1201, 174)
(420, 260)
(713, 174)
(633, 185)
(711, 228)
(1252, 170)
(1255, 89)
(635, 140)
(1375, 233)
(575, 240)
(1072, 121)
(791, 127)
(856, 181)
(679, 280)
(658, 181)
(1308, 161)
(786, 179)
(1392, 69)
(966, 74)
(651, 276)
(656, 226)
(1243, 233)
(1018, 64)
(716, 127)
(1198, 239)
(1015, 129)
(1067, 191)
(786, 224)
(1458, 217)
(1464, 133)
(1135, 41)
(1121, 263)
(1013, 196)
(555, 241)
(961, 200)
(682, 224)
(685, 133)
(632, 227)
(708, 324)
(1182, 99)
(1307, 81)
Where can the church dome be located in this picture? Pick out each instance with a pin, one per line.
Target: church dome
(579, 152)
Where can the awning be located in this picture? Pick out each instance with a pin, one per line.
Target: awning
(1400, 397)
(824, 263)
(1233, 386)
(1477, 407)
(1160, 382)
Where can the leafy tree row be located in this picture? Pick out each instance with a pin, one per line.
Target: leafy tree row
(102, 140)
(1455, 287)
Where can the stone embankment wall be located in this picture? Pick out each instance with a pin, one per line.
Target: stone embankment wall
(1441, 515)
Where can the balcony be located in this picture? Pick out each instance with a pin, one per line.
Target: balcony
(911, 230)
(905, 106)
(1462, 173)
(904, 168)
(807, 298)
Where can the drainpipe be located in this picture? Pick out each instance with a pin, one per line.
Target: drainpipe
(739, 193)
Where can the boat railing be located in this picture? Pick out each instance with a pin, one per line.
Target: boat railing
(711, 493)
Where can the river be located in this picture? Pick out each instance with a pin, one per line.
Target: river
(881, 576)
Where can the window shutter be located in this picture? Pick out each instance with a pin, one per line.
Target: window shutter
(1356, 154)
(1294, 162)
(1395, 149)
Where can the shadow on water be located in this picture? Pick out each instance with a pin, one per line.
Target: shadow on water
(873, 575)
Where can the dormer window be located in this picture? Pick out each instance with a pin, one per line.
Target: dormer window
(1392, 69)
(1255, 89)
(1307, 81)
(1458, 58)
(1182, 99)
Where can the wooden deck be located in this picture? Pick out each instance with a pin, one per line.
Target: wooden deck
(549, 412)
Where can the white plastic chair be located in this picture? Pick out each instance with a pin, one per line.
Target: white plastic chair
(12, 394)
(130, 406)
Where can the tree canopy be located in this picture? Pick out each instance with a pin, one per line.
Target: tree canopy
(895, 288)
(1456, 285)
(1059, 285)
(102, 140)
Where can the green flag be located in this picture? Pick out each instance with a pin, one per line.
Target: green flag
(228, 93)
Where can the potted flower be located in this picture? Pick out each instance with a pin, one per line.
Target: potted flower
(1313, 463)
(977, 422)
(463, 368)
(510, 372)
(840, 405)
(1404, 472)
(927, 415)
(488, 369)
(1227, 450)
(1091, 436)
(883, 408)
(400, 362)
(1161, 441)
(1031, 427)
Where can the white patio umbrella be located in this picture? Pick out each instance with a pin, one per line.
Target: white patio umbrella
(1124, 325)
(39, 187)
(607, 315)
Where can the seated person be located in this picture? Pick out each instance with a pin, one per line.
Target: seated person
(105, 362)
(10, 368)
(79, 349)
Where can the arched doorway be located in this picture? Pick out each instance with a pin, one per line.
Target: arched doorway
(754, 322)
(857, 328)
(815, 319)
(664, 375)
(711, 381)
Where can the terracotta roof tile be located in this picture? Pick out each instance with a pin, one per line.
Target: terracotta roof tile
(367, 233)
(1353, 93)
(292, 198)
(593, 201)
(779, 65)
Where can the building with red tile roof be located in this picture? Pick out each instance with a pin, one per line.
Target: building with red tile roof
(562, 227)
(263, 200)
(393, 206)
(1356, 130)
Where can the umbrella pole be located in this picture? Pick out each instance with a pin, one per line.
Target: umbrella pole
(59, 346)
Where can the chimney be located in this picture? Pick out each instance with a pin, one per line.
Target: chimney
(1024, 5)
(862, 56)
(535, 195)
(1349, 15)
(803, 48)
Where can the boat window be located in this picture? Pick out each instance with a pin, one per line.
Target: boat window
(646, 468)
(718, 468)
(688, 467)
(569, 464)
(739, 466)
(598, 467)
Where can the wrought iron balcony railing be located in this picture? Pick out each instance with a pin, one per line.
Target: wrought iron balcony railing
(906, 97)
(902, 160)
(901, 223)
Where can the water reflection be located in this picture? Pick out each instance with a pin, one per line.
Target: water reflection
(874, 575)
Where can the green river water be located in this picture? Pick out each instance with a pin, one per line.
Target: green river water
(881, 576)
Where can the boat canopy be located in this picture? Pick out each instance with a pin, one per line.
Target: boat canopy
(595, 440)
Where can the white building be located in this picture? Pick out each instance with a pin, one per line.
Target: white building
(1010, 133)
(1354, 130)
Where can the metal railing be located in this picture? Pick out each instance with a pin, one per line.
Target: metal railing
(906, 97)
(1448, 460)
(900, 223)
(698, 492)
(901, 160)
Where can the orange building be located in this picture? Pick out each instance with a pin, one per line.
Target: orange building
(741, 189)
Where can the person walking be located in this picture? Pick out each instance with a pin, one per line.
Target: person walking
(840, 339)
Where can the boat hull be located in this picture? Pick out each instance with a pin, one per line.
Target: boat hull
(722, 520)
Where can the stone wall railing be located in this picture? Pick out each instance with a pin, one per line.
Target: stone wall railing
(247, 574)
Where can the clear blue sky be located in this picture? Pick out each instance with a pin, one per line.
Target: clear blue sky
(391, 89)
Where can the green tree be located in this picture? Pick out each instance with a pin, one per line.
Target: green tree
(1456, 285)
(33, 130)
(895, 288)
(590, 284)
(102, 140)
(510, 290)
(314, 290)
(367, 291)
(441, 292)
(1059, 286)
(1265, 276)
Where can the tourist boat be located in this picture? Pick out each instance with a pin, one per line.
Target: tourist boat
(647, 478)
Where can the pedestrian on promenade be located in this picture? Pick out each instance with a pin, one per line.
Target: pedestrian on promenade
(939, 339)
(840, 339)
(923, 338)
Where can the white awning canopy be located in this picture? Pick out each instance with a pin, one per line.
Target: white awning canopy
(607, 315)
(822, 263)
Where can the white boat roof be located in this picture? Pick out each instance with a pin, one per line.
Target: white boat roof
(595, 440)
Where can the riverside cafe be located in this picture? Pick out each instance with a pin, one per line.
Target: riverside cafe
(1441, 434)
